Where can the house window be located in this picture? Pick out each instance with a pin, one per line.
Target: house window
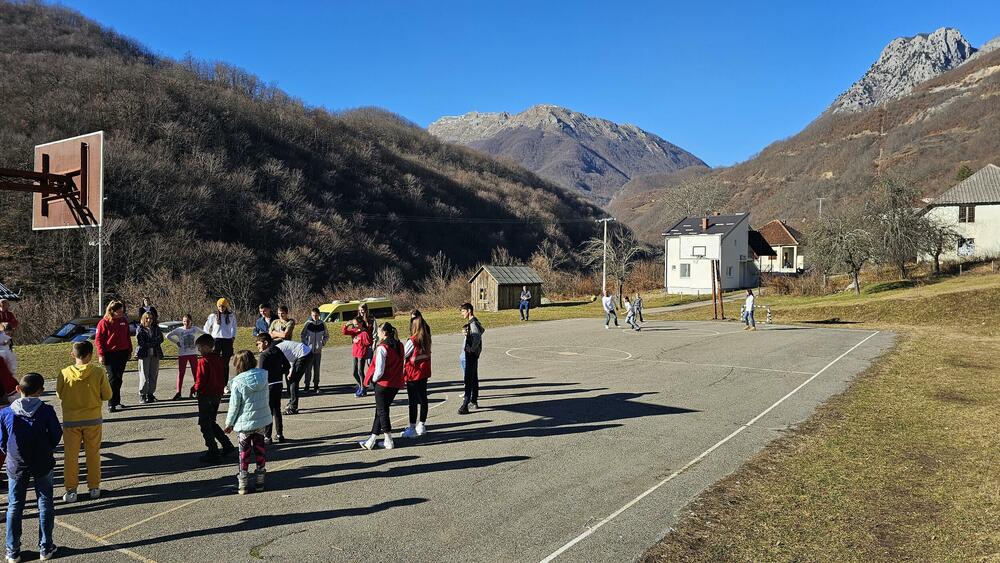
(673, 267)
(685, 270)
(966, 213)
(729, 271)
(966, 246)
(482, 294)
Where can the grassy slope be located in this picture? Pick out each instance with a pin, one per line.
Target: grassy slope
(49, 359)
(900, 467)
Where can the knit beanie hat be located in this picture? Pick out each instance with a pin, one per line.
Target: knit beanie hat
(222, 302)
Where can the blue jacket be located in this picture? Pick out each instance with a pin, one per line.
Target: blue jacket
(29, 432)
(248, 408)
(263, 325)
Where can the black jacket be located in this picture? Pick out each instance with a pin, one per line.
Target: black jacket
(274, 361)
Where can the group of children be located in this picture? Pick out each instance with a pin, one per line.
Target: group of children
(633, 311)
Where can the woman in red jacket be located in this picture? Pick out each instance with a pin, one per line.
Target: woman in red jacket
(114, 348)
(386, 373)
(360, 332)
(417, 370)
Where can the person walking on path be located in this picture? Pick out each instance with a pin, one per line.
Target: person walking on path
(416, 372)
(387, 376)
(263, 324)
(209, 383)
(525, 307)
(149, 352)
(248, 415)
(637, 305)
(360, 349)
(630, 315)
(273, 360)
(184, 337)
(608, 302)
(82, 388)
(282, 328)
(114, 348)
(314, 335)
(472, 348)
(301, 357)
(29, 433)
(221, 325)
(748, 307)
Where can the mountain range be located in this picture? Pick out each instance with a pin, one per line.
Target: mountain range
(593, 155)
(928, 106)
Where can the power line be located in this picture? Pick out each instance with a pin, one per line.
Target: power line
(468, 220)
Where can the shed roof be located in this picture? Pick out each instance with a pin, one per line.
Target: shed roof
(510, 275)
(717, 225)
(6, 293)
(981, 187)
(759, 245)
(777, 233)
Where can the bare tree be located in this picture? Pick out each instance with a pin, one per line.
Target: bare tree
(938, 239)
(841, 241)
(296, 296)
(388, 282)
(623, 251)
(502, 257)
(898, 226)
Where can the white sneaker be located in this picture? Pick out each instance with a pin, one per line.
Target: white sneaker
(70, 496)
(387, 442)
(14, 559)
(368, 444)
(607, 327)
(95, 493)
(410, 432)
(421, 429)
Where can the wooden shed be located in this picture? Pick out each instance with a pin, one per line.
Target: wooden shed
(493, 288)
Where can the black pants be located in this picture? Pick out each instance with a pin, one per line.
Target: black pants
(471, 378)
(115, 362)
(416, 394)
(383, 398)
(638, 313)
(274, 403)
(224, 348)
(359, 371)
(208, 412)
(299, 369)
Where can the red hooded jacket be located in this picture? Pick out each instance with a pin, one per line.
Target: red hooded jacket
(362, 340)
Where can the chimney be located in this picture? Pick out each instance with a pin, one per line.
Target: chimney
(704, 223)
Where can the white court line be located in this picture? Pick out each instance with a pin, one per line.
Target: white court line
(96, 539)
(694, 461)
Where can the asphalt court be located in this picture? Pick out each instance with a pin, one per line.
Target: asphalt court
(588, 444)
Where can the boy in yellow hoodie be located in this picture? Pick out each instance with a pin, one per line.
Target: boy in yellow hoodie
(82, 387)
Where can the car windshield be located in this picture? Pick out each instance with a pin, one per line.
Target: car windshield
(66, 330)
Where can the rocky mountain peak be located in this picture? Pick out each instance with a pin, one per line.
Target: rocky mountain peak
(904, 63)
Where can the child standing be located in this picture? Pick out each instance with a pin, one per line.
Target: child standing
(222, 326)
(114, 347)
(314, 335)
(472, 349)
(29, 432)
(82, 387)
(7, 349)
(149, 352)
(209, 382)
(386, 374)
(362, 341)
(187, 352)
(273, 360)
(630, 315)
(282, 328)
(248, 415)
(416, 371)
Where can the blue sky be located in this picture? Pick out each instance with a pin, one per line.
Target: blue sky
(720, 79)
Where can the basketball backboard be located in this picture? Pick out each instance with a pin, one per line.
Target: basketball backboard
(700, 248)
(80, 159)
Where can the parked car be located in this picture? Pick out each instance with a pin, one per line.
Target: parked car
(73, 330)
(337, 311)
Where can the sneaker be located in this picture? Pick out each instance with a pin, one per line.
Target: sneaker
(45, 556)
(113, 408)
(475, 404)
(464, 409)
(243, 483)
(267, 441)
(226, 390)
(410, 432)
(153, 399)
(387, 442)
(607, 327)
(177, 397)
(70, 496)
(358, 392)
(421, 429)
(291, 411)
(14, 559)
(95, 494)
(279, 438)
(368, 444)
(192, 393)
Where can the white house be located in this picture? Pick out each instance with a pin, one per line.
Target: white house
(691, 245)
(789, 257)
(972, 208)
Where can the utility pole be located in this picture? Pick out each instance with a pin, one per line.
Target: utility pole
(604, 277)
(821, 206)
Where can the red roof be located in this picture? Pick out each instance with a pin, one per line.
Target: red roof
(777, 233)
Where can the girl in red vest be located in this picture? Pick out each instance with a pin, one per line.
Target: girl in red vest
(417, 370)
(386, 373)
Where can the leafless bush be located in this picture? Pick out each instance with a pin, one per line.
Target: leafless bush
(41, 315)
(173, 296)
(295, 295)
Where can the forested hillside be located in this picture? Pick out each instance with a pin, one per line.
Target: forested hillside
(212, 171)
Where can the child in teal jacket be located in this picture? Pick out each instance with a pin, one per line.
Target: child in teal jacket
(249, 415)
